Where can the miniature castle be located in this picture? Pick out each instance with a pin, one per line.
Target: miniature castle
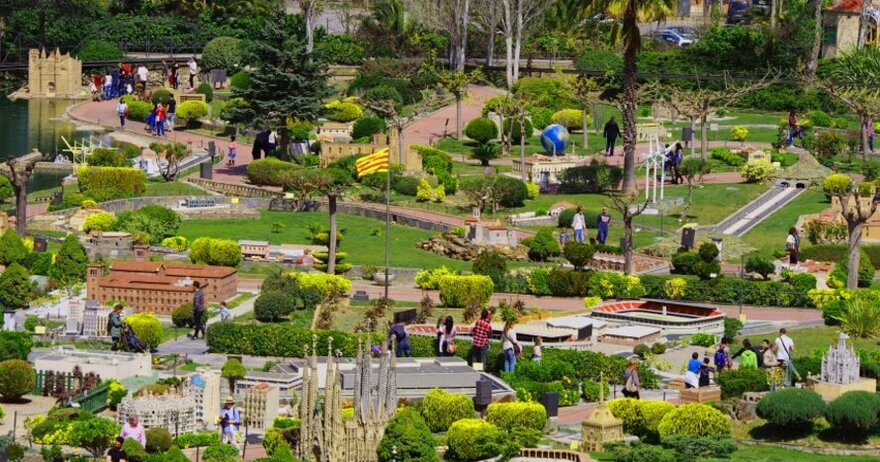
(53, 75)
(489, 233)
(174, 411)
(326, 437)
(841, 364)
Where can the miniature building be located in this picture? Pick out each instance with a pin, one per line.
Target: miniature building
(254, 249)
(545, 170)
(159, 286)
(174, 411)
(73, 324)
(204, 387)
(840, 372)
(840, 25)
(334, 131)
(331, 151)
(260, 405)
(53, 75)
(108, 244)
(489, 233)
(699, 395)
(117, 364)
(600, 427)
(94, 320)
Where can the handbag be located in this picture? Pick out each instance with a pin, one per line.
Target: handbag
(630, 385)
(450, 346)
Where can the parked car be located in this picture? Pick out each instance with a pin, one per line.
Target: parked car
(737, 12)
(680, 36)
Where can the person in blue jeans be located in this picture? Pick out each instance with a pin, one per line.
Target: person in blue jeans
(603, 221)
(398, 332)
(579, 225)
(511, 347)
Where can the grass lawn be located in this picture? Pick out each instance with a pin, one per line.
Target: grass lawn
(808, 339)
(364, 241)
(769, 235)
(762, 453)
(174, 188)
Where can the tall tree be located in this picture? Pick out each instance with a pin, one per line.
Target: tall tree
(516, 17)
(330, 183)
(309, 9)
(19, 170)
(813, 61)
(587, 91)
(15, 287)
(70, 263)
(630, 205)
(457, 83)
(857, 202)
(287, 82)
(390, 110)
(853, 79)
(863, 102)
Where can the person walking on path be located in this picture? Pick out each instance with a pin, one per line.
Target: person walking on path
(677, 157)
(603, 221)
(511, 347)
(794, 130)
(172, 110)
(122, 112)
(230, 420)
(793, 246)
(611, 132)
(134, 430)
(480, 334)
(160, 120)
(232, 151)
(114, 326)
(397, 331)
(631, 384)
(142, 77)
(447, 339)
(225, 314)
(579, 224)
(198, 310)
(193, 69)
(691, 377)
(705, 373)
(172, 77)
(784, 346)
(108, 86)
(563, 238)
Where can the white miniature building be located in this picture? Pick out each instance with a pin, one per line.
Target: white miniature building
(174, 411)
(841, 364)
(117, 364)
(94, 320)
(545, 170)
(204, 387)
(489, 233)
(260, 406)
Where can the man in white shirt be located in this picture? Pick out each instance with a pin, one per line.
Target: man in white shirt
(785, 347)
(578, 223)
(193, 69)
(108, 86)
(142, 75)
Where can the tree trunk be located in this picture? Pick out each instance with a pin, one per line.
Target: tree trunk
(458, 99)
(517, 46)
(863, 25)
(490, 42)
(704, 137)
(331, 248)
(308, 14)
(629, 99)
(465, 18)
(522, 146)
(508, 42)
(401, 148)
(773, 7)
(813, 61)
(455, 36)
(585, 127)
(283, 141)
(693, 131)
(627, 243)
(863, 137)
(20, 190)
(855, 243)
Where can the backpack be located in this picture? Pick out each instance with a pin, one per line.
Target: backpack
(749, 360)
(719, 359)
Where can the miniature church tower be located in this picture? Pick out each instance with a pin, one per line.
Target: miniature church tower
(601, 427)
(841, 364)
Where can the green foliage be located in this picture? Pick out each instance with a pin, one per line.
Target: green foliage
(222, 53)
(587, 179)
(366, 127)
(138, 110)
(158, 440)
(270, 171)
(640, 418)
(641, 350)
(607, 285)
(703, 339)
(101, 221)
(240, 80)
(208, 251)
(174, 454)
(729, 158)
(571, 119)
(220, 453)
(233, 369)
(106, 157)
(16, 378)
(15, 345)
(757, 171)
(464, 291)
(579, 254)
(735, 382)
(509, 416)
(440, 409)
(694, 419)
(270, 306)
(406, 185)
(839, 274)
(177, 243)
(192, 440)
(859, 318)
(191, 111)
(482, 130)
(409, 435)
(516, 132)
(12, 248)
(549, 92)
(154, 220)
(15, 287)
(828, 146)
(485, 152)
(760, 265)
(566, 217)
(590, 390)
(492, 264)
(424, 191)
(855, 413)
(820, 118)
(792, 409)
(94, 435)
(5, 188)
(123, 179)
(273, 440)
(147, 327)
(513, 191)
(732, 326)
(344, 111)
(99, 50)
(473, 440)
(690, 448)
(384, 93)
(837, 184)
(542, 246)
(434, 161)
(430, 279)
(639, 452)
(182, 316)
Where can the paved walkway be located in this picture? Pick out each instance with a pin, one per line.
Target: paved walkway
(441, 123)
(189, 347)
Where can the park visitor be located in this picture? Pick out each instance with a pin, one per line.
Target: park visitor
(121, 111)
(677, 157)
(160, 120)
(230, 419)
(563, 238)
(198, 310)
(784, 346)
(114, 326)
(134, 430)
(172, 109)
(579, 224)
(232, 149)
(116, 82)
(511, 347)
(603, 221)
(480, 334)
(705, 372)
(631, 385)
(691, 377)
(142, 76)
(869, 133)
(225, 315)
(536, 350)
(749, 357)
(447, 339)
(108, 86)
(771, 364)
(193, 69)
(116, 453)
(793, 246)
(793, 129)
(172, 76)
(397, 331)
(611, 132)
(722, 355)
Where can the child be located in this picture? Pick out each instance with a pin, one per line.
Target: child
(232, 147)
(225, 315)
(705, 370)
(563, 238)
(536, 350)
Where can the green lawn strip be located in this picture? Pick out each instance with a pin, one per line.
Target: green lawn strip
(808, 339)
(362, 245)
(769, 235)
(764, 453)
(174, 188)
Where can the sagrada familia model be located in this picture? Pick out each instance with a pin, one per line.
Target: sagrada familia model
(841, 364)
(324, 435)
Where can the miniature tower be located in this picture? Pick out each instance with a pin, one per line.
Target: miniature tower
(841, 364)
(601, 427)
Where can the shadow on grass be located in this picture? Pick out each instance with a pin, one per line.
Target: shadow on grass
(830, 435)
(772, 433)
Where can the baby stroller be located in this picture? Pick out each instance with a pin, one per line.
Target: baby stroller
(132, 342)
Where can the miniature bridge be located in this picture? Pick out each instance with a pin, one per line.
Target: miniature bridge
(746, 218)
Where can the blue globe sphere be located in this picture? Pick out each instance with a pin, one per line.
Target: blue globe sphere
(554, 139)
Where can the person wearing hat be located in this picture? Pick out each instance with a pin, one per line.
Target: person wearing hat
(114, 326)
(230, 420)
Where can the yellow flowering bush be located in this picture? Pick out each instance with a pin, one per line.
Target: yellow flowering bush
(739, 133)
(532, 190)
(674, 288)
(694, 419)
(590, 302)
(326, 284)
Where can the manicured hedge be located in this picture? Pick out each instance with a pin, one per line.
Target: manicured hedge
(736, 382)
(694, 419)
(461, 291)
(791, 409)
(854, 413)
(127, 180)
(590, 179)
(509, 416)
(441, 408)
(270, 171)
(730, 290)
(640, 418)
(473, 439)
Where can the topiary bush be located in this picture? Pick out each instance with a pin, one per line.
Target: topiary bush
(462, 291)
(406, 185)
(542, 246)
(222, 53)
(792, 409)
(222, 252)
(16, 378)
(691, 448)
(182, 316)
(579, 254)
(571, 119)
(510, 416)
(515, 133)
(481, 130)
(855, 413)
(158, 440)
(440, 409)
(757, 171)
(366, 127)
(240, 80)
(492, 264)
(272, 305)
(641, 350)
(220, 453)
(407, 439)
(160, 96)
(205, 88)
(344, 111)
(839, 274)
(189, 112)
(270, 171)
(147, 328)
(640, 418)
(134, 450)
(694, 419)
(473, 440)
(735, 382)
(101, 221)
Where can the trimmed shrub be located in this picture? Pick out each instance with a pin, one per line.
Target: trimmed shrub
(434, 161)
(579, 254)
(735, 382)
(516, 134)
(158, 440)
(160, 96)
(191, 111)
(138, 110)
(222, 252)
(542, 246)
(240, 80)
(792, 409)
(15, 287)
(16, 378)
(407, 439)
(206, 89)
(563, 282)
(126, 180)
(101, 221)
(327, 285)
(724, 155)
(694, 419)
(366, 127)
(344, 111)
(590, 390)
(854, 413)
(104, 157)
(147, 327)
(839, 274)
(658, 348)
(270, 306)
(182, 316)
(760, 265)
(220, 453)
(757, 171)
(641, 350)
(694, 447)
(571, 119)
(514, 192)
(384, 93)
(222, 53)
(406, 185)
(640, 418)
(510, 416)
(481, 130)
(463, 291)
(492, 264)
(440, 409)
(270, 171)
(12, 249)
(177, 243)
(590, 179)
(134, 450)
(473, 440)
(430, 279)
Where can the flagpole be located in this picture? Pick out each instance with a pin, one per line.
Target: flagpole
(387, 225)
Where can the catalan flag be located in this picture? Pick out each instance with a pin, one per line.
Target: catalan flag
(373, 163)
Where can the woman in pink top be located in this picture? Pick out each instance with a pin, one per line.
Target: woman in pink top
(134, 430)
(232, 149)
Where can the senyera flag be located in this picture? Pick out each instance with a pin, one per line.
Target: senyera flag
(373, 163)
